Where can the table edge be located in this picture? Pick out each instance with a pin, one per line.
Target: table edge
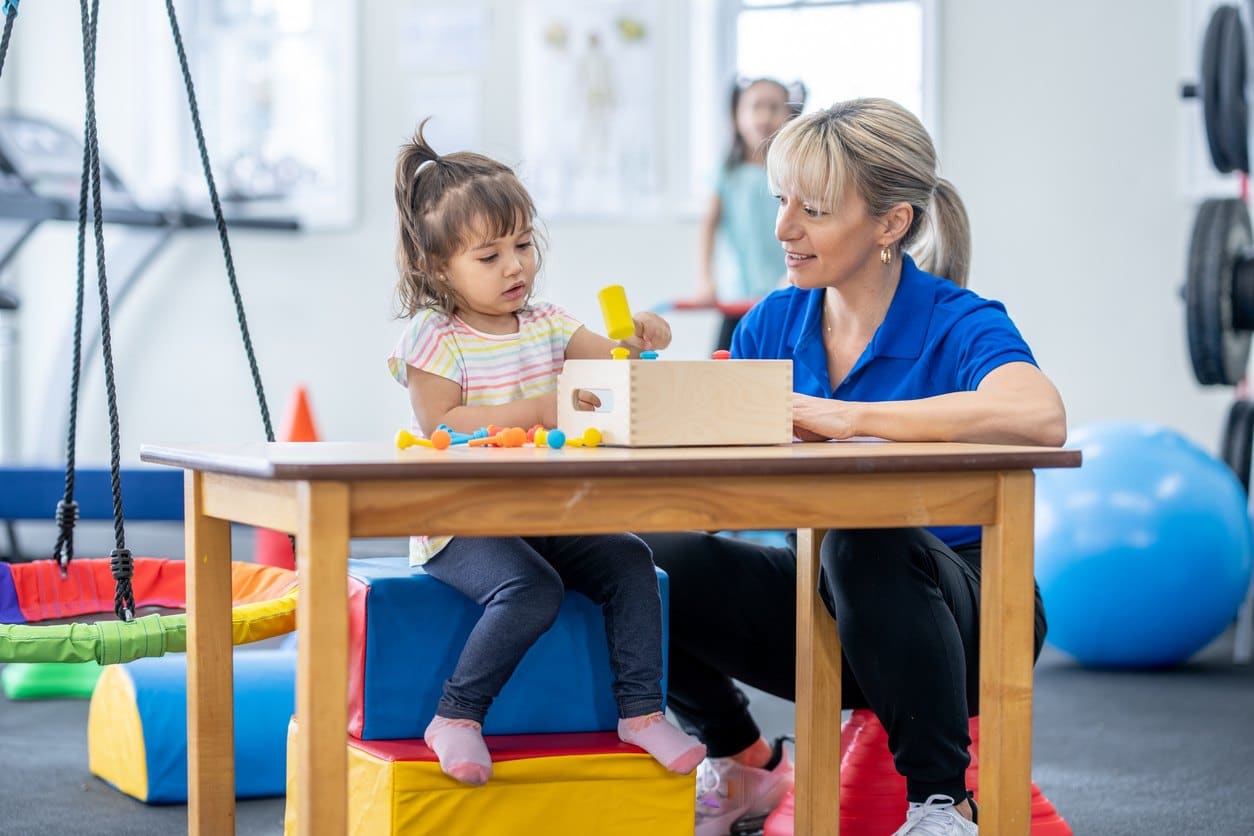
(585, 468)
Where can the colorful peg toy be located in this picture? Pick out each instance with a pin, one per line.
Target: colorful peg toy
(462, 438)
(507, 437)
(618, 322)
(557, 439)
(439, 440)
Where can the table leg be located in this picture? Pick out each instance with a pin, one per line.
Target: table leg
(1006, 626)
(817, 794)
(210, 700)
(322, 658)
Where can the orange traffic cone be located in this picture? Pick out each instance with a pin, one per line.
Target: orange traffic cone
(298, 423)
(274, 548)
(873, 793)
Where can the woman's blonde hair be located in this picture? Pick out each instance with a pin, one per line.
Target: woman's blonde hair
(440, 203)
(884, 153)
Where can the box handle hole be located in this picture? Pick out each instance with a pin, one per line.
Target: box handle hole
(592, 400)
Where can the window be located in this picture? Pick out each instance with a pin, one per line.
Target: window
(840, 49)
(275, 85)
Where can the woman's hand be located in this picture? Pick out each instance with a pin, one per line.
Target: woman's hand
(815, 419)
(652, 332)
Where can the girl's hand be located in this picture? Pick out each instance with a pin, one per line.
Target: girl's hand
(546, 412)
(818, 418)
(586, 401)
(652, 332)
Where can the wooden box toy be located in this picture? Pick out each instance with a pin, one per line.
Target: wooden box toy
(679, 403)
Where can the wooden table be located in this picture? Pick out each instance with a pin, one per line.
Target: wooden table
(326, 493)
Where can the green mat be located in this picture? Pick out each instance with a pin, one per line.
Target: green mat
(49, 680)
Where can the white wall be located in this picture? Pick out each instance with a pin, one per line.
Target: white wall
(1060, 128)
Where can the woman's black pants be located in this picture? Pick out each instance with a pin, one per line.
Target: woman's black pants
(907, 607)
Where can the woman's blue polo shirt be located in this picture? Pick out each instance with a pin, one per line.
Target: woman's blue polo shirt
(937, 338)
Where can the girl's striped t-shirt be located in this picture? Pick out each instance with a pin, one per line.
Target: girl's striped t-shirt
(491, 369)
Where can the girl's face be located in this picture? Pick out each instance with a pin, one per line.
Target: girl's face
(824, 248)
(761, 111)
(492, 277)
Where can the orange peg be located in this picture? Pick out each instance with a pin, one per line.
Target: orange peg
(509, 437)
(439, 440)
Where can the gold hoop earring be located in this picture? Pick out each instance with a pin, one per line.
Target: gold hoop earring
(886, 256)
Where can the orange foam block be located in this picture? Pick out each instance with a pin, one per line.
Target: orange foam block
(873, 793)
(557, 784)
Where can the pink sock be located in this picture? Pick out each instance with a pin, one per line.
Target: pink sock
(459, 746)
(675, 750)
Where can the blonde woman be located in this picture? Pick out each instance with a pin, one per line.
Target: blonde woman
(882, 345)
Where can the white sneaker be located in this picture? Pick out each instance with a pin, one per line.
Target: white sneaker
(936, 817)
(728, 792)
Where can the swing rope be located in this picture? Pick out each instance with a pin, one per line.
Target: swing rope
(220, 220)
(10, 15)
(121, 562)
(67, 508)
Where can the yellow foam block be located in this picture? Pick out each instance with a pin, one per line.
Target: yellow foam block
(115, 734)
(558, 785)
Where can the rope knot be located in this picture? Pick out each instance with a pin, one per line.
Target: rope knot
(122, 564)
(63, 552)
(67, 513)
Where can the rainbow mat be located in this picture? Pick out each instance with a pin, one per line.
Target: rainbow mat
(556, 784)
(137, 725)
(407, 630)
(264, 605)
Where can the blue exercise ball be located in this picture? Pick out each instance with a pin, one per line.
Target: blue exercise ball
(1143, 554)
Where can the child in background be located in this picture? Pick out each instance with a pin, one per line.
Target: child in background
(742, 211)
(478, 350)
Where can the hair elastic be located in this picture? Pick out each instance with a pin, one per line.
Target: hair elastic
(422, 166)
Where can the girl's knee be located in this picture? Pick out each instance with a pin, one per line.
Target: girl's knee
(536, 599)
(636, 556)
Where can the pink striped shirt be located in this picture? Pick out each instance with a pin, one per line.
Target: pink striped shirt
(491, 369)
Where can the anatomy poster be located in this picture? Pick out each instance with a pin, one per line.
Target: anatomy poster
(590, 107)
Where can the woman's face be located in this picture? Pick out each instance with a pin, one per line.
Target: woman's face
(761, 111)
(823, 248)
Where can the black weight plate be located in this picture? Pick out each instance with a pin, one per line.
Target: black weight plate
(1234, 114)
(1209, 91)
(1238, 441)
(1221, 235)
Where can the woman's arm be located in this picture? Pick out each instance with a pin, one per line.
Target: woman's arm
(707, 288)
(437, 400)
(1014, 404)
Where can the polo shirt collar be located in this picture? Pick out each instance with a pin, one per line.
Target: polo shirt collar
(900, 335)
(904, 329)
